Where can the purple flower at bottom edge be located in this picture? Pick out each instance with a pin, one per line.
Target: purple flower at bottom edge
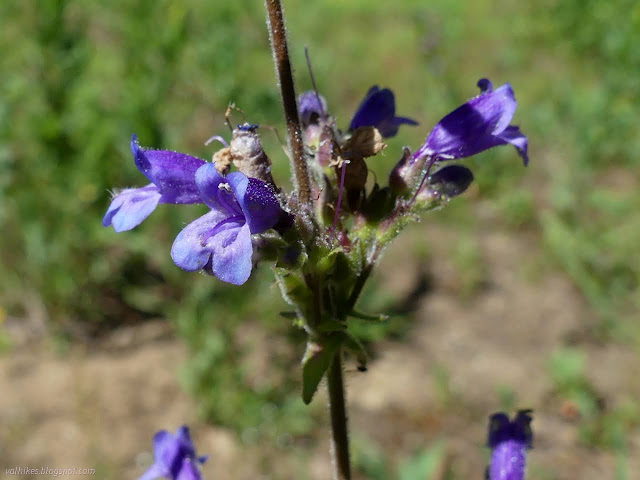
(378, 109)
(509, 441)
(172, 177)
(479, 124)
(219, 242)
(174, 457)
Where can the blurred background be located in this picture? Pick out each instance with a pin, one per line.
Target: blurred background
(522, 294)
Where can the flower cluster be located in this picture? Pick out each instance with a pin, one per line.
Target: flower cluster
(322, 250)
(245, 203)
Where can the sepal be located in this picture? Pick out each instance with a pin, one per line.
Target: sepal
(294, 291)
(316, 361)
(353, 345)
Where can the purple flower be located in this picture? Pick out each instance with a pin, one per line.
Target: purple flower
(220, 241)
(172, 177)
(378, 109)
(311, 107)
(174, 457)
(479, 124)
(509, 441)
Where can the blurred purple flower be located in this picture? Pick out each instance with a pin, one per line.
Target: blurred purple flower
(172, 177)
(220, 241)
(509, 441)
(479, 124)
(311, 107)
(378, 109)
(174, 457)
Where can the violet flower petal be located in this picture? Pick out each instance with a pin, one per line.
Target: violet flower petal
(194, 245)
(508, 461)
(174, 457)
(231, 256)
(188, 471)
(153, 472)
(215, 190)
(184, 439)
(378, 109)
(166, 451)
(172, 172)
(131, 206)
(472, 127)
(509, 440)
(258, 201)
(512, 135)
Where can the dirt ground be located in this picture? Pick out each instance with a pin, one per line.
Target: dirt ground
(99, 408)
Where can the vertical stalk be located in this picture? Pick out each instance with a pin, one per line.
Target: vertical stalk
(337, 410)
(278, 36)
(338, 413)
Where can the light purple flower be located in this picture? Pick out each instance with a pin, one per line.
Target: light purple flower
(480, 124)
(509, 441)
(172, 177)
(174, 457)
(378, 109)
(220, 241)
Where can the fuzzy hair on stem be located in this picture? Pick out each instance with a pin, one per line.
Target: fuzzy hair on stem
(278, 37)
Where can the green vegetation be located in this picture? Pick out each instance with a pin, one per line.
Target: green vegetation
(600, 425)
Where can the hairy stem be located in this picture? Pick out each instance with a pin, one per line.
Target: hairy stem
(278, 36)
(338, 413)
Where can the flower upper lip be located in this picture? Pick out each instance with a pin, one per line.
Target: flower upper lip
(172, 177)
(378, 109)
(481, 123)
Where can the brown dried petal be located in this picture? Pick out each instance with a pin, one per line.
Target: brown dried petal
(364, 142)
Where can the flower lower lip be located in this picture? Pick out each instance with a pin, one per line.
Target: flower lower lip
(239, 219)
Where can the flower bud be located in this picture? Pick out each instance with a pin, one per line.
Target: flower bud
(451, 180)
(407, 174)
(364, 142)
(446, 183)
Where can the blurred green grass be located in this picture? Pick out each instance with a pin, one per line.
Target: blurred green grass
(78, 78)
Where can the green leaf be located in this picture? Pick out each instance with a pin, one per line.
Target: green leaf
(316, 361)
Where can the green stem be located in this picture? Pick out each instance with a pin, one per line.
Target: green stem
(278, 36)
(338, 413)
